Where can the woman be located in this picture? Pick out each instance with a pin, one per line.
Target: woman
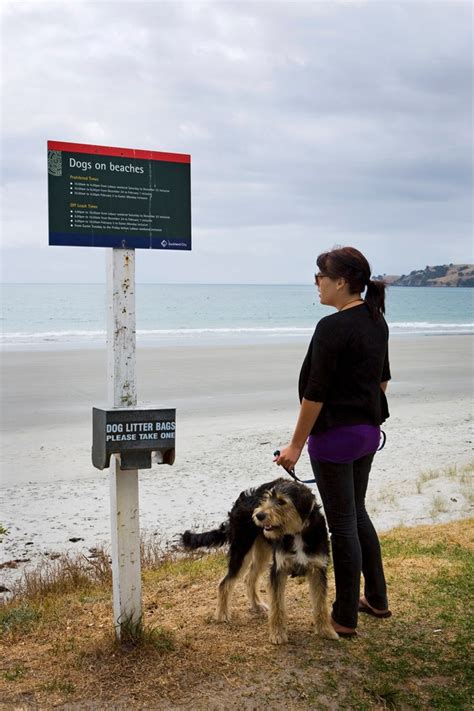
(342, 392)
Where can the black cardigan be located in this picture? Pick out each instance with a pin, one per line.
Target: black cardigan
(346, 361)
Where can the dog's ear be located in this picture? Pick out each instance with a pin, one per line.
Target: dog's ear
(305, 502)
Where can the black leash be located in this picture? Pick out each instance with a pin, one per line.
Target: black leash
(384, 439)
(292, 473)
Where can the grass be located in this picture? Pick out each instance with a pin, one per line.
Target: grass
(72, 572)
(438, 506)
(18, 619)
(463, 475)
(63, 686)
(67, 573)
(145, 636)
(389, 498)
(14, 673)
(59, 648)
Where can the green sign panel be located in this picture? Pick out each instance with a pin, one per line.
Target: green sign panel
(118, 197)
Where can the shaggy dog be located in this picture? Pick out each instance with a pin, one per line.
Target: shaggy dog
(278, 522)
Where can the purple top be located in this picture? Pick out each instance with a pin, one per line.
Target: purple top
(345, 443)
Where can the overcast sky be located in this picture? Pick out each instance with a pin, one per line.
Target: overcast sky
(309, 124)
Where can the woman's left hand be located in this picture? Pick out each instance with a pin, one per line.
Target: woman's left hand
(288, 456)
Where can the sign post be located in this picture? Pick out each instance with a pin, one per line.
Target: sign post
(123, 199)
(122, 391)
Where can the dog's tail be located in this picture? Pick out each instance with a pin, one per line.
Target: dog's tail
(217, 537)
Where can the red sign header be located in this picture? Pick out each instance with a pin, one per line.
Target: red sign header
(118, 152)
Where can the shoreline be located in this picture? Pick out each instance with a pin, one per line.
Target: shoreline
(235, 406)
(225, 340)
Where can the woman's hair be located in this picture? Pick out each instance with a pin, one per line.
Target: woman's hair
(349, 263)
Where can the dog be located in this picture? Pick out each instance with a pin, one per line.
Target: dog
(278, 524)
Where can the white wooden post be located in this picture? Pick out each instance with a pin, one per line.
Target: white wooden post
(122, 392)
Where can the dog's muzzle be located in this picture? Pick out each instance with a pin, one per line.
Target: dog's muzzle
(259, 519)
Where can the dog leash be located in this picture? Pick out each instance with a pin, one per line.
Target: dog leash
(292, 472)
(384, 439)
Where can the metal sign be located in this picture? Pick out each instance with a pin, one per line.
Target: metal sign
(135, 434)
(99, 196)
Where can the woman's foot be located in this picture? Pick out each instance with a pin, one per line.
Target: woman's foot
(343, 631)
(365, 607)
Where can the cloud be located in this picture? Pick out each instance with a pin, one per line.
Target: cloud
(309, 123)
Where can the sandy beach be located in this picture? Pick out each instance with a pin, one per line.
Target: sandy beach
(235, 405)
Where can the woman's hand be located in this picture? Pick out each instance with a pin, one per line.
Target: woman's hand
(288, 456)
(309, 412)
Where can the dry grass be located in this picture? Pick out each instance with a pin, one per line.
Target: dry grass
(76, 572)
(438, 506)
(64, 574)
(463, 475)
(59, 650)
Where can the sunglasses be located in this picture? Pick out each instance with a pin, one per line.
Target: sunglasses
(318, 277)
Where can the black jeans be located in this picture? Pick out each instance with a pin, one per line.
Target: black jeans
(354, 541)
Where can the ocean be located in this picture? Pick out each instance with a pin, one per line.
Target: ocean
(45, 316)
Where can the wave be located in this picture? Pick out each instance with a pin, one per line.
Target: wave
(84, 337)
(154, 336)
(50, 336)
(423, 325)
(177, 333)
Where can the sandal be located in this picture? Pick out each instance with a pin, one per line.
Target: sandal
(349, 633)
(367, 610)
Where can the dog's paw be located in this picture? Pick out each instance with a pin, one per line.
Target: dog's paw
(329, 633)
(278, 637)
(222, 616)
(260, 608)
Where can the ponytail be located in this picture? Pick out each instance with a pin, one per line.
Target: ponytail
(349, 263)
(375, 298)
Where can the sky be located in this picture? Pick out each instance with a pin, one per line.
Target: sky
(309, 124)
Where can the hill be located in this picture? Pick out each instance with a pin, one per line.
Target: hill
(444, 275)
